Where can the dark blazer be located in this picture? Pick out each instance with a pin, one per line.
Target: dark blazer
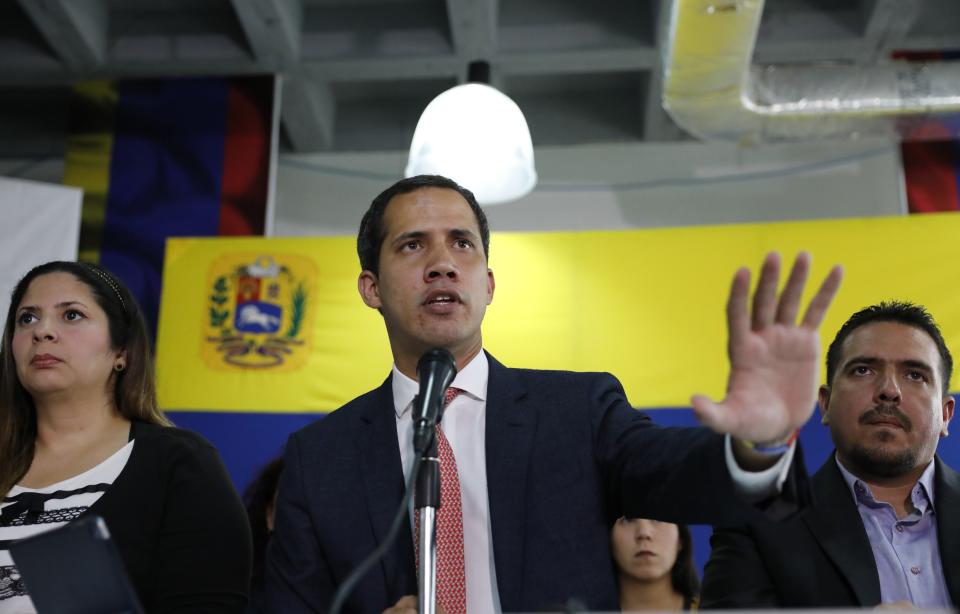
(178, 524)
(822, 557)
(566, 455)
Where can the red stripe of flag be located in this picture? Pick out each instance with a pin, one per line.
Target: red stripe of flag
(930, 172)
(246, 159)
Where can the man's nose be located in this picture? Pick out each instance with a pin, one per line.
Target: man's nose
(888, 389)
(441, 265)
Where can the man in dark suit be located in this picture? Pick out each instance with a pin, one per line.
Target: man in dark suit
(546, 461)
(885, 523)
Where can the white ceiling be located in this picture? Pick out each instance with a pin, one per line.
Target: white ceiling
(357, 73)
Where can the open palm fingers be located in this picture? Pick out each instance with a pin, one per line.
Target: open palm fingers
(822, 299)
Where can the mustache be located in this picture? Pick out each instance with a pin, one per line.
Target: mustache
(881, 411)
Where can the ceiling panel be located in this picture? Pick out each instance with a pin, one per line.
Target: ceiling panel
(582, 71)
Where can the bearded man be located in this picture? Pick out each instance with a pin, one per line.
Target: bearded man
(884, 528)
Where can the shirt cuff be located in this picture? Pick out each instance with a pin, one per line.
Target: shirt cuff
(758, 485)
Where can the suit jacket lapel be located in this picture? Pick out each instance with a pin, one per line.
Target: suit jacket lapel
(382, 476)
(837, 526)
(947, 506)
(509, 440)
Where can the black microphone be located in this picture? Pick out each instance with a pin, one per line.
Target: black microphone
(436, 370)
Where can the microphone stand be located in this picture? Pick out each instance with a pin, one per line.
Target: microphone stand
(426, 504)
(436, 370)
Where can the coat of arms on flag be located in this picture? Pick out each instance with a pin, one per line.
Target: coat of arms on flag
(257, 312)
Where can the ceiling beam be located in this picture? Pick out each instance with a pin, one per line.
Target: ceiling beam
(887, 24)
(473, 28)
(273, 30)
(445, 66)
(638, 58)
(382, 69)
(308, 113)
(657, 124)
(620, 59)
(76, 30)
(803, 51)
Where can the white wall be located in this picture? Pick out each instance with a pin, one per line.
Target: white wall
(604, 186)
(624, 186)
(41, 223)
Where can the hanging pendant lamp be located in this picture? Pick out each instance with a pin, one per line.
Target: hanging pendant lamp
(477, 136)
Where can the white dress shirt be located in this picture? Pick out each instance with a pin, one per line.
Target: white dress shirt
(464, 424)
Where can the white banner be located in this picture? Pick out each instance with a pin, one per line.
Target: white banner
(41, 222)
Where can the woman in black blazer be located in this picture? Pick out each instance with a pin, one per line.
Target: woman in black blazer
(81, 433)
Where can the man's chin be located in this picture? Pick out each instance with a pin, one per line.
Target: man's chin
(449, 342)
(883, 461)
(448, 335)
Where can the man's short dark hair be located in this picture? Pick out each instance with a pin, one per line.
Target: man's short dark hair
(900, 312)
(372, 233)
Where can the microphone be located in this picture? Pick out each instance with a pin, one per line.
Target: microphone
(436, 370)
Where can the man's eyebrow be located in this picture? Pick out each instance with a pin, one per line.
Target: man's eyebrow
(861, 359)
(419, 234)
(917, 364)
(410, 234)
(462, 232)
(872, 360)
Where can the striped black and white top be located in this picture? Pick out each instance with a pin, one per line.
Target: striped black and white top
(27, 511)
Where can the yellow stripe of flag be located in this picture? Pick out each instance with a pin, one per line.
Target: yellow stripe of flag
(647, 305)
(88, 154)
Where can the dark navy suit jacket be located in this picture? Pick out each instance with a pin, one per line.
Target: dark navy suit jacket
(566, 455)
(821, 557)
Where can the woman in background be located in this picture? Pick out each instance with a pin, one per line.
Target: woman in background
(655, 565)
(81, 433)
(261, 500)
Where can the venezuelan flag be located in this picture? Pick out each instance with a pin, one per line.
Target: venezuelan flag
(166, 158)
(931, 167)
(931, 171)
(646, 305)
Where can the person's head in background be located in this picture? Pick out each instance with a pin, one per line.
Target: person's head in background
(74, 335)
(260, 498)
(887, 399)
(655, 566)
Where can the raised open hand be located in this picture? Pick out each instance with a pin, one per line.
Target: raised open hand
(774, 363)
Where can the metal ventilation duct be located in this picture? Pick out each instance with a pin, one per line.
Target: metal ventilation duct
(712, 90)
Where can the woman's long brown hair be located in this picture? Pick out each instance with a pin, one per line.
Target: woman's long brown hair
(134, 388)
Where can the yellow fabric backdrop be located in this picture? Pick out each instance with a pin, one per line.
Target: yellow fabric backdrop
(647, 305)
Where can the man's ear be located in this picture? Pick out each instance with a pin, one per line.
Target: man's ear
(369, 288)
(948, 404)
(491, 286)
(823, 400)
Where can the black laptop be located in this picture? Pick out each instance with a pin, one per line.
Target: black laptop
(75, 569)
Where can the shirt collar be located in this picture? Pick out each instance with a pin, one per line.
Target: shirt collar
(472, 380)
(922, 494)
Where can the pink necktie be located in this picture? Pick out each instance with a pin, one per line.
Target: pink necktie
(451, 570)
